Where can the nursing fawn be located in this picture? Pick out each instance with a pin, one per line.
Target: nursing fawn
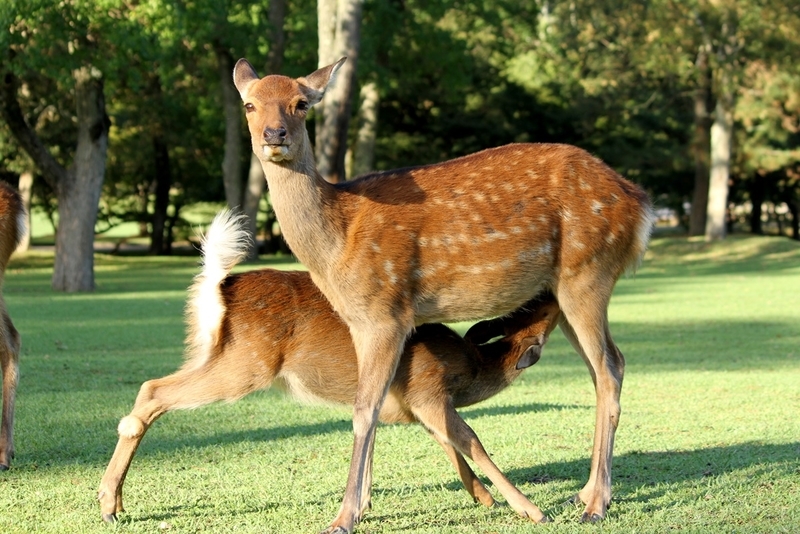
(12, 227)
(249, 331)
(471, 238)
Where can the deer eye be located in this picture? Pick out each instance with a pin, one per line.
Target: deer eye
(302, 105)
(249, 107)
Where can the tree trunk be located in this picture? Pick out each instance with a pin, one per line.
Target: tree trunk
(277, 42)
(701, 145)
(24, 187)
(256, 181)
(79, 193)
(331, 138)
(256, 184)
(232, 106)
(77, 189)
(364, 152)
(158, 244)
(758, 193)
(794, 209)
(721, 139)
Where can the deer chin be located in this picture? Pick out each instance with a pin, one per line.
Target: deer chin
(276, 153)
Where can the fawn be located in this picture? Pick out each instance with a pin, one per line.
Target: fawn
(12, 227)
(470, 238)
(248, 331)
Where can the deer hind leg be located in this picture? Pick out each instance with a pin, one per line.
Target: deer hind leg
(585, 324)
(378, 351)
(449, 427)
(472, 483)
(187, 388)
(9, 360)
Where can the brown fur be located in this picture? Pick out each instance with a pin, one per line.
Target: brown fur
(11, 211)
(469, 238)
(278, 328)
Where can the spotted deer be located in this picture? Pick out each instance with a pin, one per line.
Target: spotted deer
(12, 227)
(251, 330)
(469, 238)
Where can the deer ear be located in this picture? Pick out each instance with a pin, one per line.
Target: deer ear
(243, 75)
(319, 80)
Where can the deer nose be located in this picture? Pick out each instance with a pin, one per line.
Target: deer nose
(274, 136)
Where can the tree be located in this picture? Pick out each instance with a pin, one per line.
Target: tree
(256, 181)
(339, 35)
(68, 56)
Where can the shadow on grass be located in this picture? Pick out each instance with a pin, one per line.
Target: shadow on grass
(644, 477)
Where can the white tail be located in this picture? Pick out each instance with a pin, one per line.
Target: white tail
(470, 238)
(270, 329)
(224, 246)
(12, 228)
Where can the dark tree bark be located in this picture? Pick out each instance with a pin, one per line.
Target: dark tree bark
(232, 106)
(159, 242)
(758, 193)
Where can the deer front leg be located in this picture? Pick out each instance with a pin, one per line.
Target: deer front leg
(589, 334)
(9, 359)
(378, 351)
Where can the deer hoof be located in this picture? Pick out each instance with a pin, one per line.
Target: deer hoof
(110, 518)
(545, 519)
(3, 467)
(591, 518)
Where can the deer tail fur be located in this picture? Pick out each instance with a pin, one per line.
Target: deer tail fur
(224, 246)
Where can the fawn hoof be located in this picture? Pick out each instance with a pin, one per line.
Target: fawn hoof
(110, 518)
(335, 530)
(4, 467)
(545, 519)
(591, 518)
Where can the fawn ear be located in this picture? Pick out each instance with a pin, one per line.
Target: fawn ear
(484, 331)
(319, 80)
(243, 75)
(530, 356)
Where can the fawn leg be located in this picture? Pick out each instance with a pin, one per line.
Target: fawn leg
(585, 324)
(451, 428)
(187, 388)
(9, 360)
(471, 482)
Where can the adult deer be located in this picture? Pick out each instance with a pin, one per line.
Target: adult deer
(250, 330)
(469, 238)
(12, 227)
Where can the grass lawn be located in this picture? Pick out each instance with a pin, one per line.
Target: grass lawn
(709, 439)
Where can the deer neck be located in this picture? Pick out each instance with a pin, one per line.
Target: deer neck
(305, 205)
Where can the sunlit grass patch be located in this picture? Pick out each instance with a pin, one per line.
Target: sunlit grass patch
(708, 439)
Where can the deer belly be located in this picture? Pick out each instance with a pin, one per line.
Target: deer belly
(475, 297)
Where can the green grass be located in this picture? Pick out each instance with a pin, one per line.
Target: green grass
(709, 439)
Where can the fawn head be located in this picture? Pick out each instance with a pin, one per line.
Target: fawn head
(528, 328)
(276, 108)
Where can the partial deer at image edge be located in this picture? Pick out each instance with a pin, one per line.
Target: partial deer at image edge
(12, 227)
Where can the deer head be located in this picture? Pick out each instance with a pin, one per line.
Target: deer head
(277, 105)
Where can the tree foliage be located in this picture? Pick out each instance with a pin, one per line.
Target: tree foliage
(622, 79)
